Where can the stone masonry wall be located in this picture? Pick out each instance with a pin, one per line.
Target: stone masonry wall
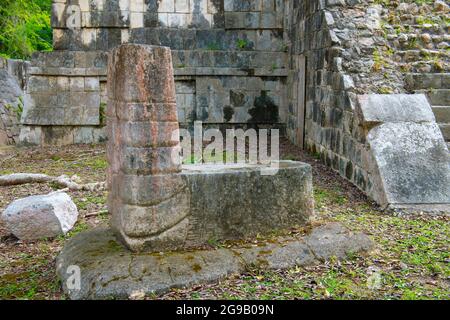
(13, 76)
(398, 47)
(229, 57)
(65, 98)
(342, 49)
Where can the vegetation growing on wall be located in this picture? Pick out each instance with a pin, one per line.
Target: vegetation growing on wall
(24, 27)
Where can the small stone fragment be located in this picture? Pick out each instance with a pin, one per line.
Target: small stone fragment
(39, 217)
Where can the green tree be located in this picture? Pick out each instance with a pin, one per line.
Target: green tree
(24, 27)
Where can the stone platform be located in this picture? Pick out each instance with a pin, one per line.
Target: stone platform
(110, 271)
(218, 202)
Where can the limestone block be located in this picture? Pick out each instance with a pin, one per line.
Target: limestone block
(242, 20)
(84, 5)
(136, 20)
(42, 216)
(91, 84)
(166, 6)
(76, 84)
(199, 7)
(178, 20)
(215, 7)
(58, 17)
(269, 20)
(185, 87)
(135, 112)
(439, 97)
(151, 19)
(268, 5)
(53, 59)
(182, 6)
(270, 40)
(137, 6)
(400, 108)
(84, 136)
(239, 5)
(409, 161)
(30, 135)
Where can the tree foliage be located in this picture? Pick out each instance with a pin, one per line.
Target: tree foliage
(24, 27)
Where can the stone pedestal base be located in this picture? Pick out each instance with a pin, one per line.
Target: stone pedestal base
(211, 203)
(108, 270)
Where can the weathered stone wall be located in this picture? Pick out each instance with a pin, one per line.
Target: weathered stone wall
(397, 47)
(13, 76)
(229, 57)
(338, 51)
(320, 100)
(65, 98)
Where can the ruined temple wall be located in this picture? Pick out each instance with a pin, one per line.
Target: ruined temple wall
(13, 77)
(322, 110)
(227, 54)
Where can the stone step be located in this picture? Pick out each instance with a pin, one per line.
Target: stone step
(428, 28)
(434, 38)
(415, 42)
(445, 128)
(439, 97)
(418, 81)
(442, 114)
(415, 56)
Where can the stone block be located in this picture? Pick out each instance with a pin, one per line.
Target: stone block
(151, 112)
(445, 129)
(91, 84)
(442, 114)
(76, 84)
(146, 161)
(216, 208)
(56, 136)
(30, 135)
(182, 6)
(84, 135)
(178, 20)
(440, 97)
(409, 158)
(42, 216)
(166, 6)
(375, 109)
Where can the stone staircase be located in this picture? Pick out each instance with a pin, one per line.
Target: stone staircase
(437, 88)
(419, 41)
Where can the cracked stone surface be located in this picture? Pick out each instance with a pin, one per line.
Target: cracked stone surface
(109, 270)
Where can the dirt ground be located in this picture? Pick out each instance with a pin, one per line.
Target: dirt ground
(411, 259)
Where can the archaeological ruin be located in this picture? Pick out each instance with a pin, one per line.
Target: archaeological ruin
(156, 206)
(363, 87)
(164, 214)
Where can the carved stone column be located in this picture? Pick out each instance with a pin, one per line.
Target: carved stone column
(148, 199)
